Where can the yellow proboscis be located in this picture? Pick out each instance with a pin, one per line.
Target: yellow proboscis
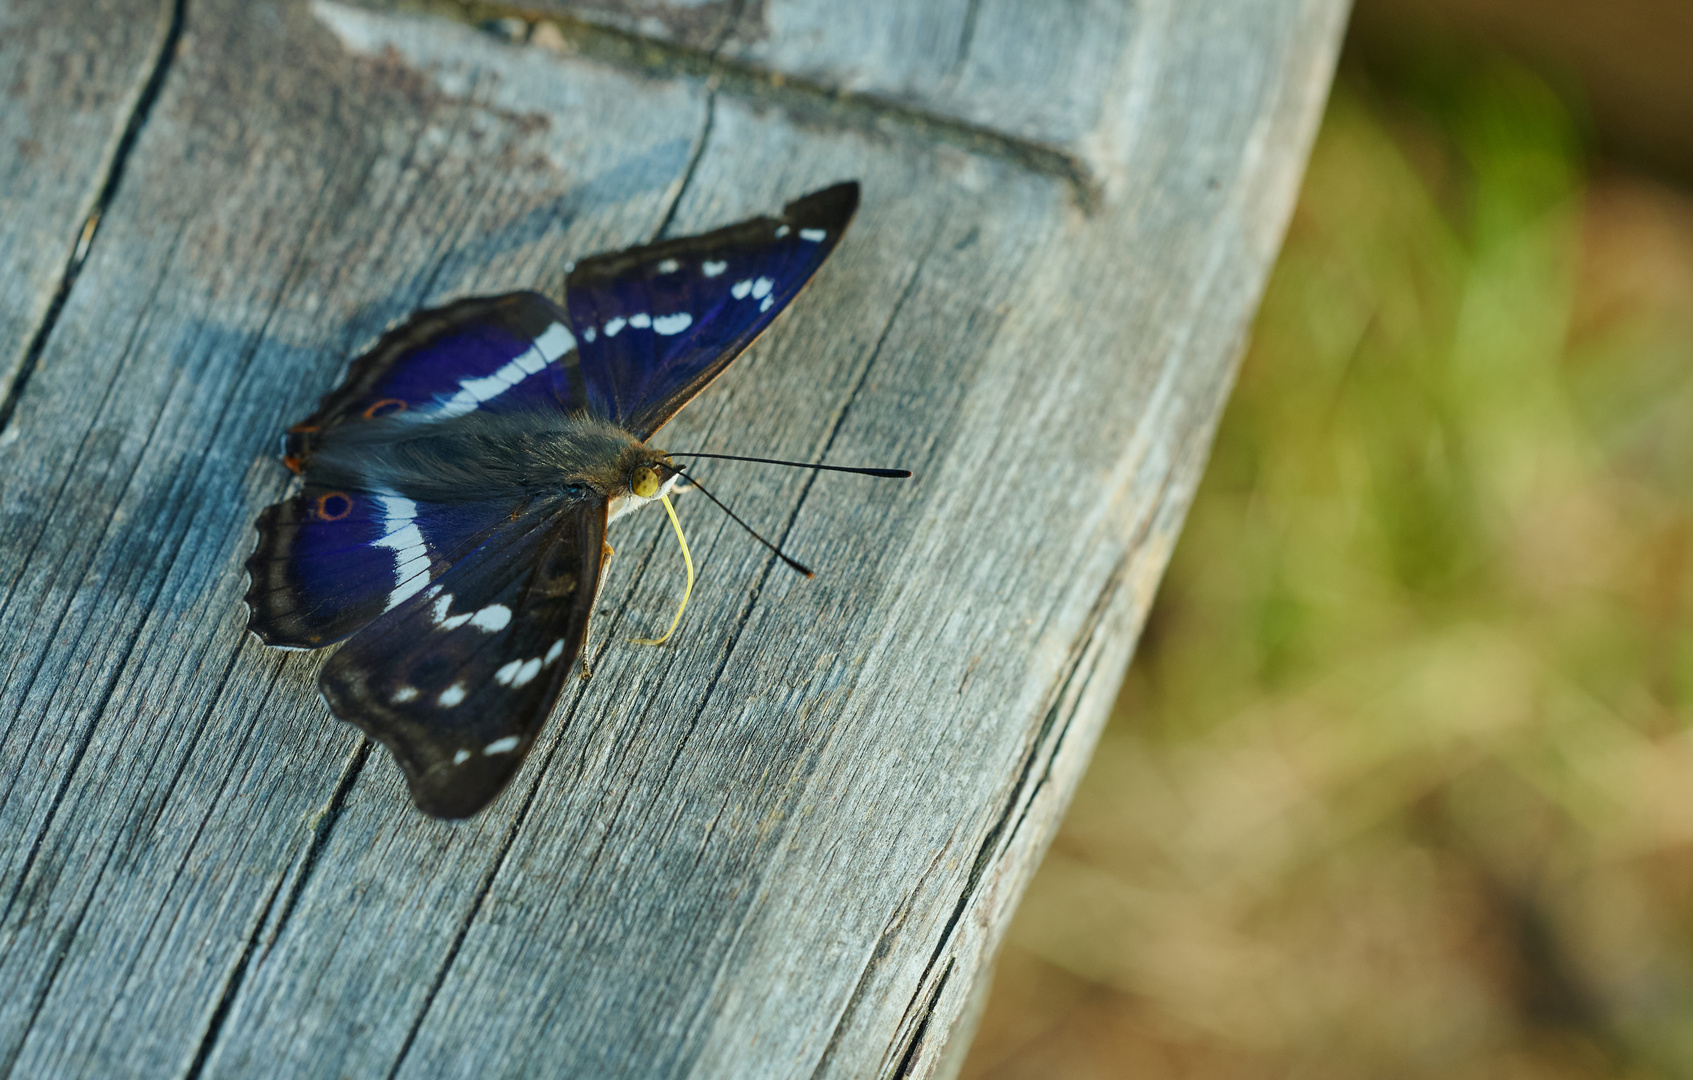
(687, 560)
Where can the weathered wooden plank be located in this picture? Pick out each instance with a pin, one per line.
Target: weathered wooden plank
(784, 844)
(215, 310)
(1040, 72)
(72, 75)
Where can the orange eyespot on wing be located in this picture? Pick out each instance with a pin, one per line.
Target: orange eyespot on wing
(333, 506)
(385, 407)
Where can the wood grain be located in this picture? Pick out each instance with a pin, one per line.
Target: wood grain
(784, 844)
(71, 75)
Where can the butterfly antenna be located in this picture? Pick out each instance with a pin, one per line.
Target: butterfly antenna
(694, 481)
(891, 474)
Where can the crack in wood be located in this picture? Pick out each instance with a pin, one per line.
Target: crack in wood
(883, 948)
(232, 984)
(688, 171)
(1113, 583)
(1023, 793)
(909, 1059)
(174, 14)
(289, 887)
(73, 470)
(59, 954)
(106, 693)
(966, 38)
(795, 94)
(1022, 796)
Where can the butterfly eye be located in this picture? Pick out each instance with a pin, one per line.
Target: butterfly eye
(644, 481)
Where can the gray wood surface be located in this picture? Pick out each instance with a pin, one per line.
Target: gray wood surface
(783, 845)
(72, 76)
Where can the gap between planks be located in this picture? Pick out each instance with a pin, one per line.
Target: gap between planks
(172, 15)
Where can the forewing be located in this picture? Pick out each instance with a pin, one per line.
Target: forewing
(329, 561)
(508, 353)
(457, 681)
(655, 324)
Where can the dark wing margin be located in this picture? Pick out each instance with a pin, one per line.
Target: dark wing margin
(458, 680)
(655, 324)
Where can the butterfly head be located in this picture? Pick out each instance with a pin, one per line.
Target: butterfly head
(638, 474)
(644, 482)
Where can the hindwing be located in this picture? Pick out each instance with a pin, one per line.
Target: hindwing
(457, 680)
(328, 561)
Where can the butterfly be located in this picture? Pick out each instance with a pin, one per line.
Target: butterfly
(450, 520)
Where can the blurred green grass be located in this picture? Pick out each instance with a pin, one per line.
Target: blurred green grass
(1401, 782)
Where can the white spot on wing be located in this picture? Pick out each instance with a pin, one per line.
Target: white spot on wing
(761, 287)
(457, 405)
(555, 652)
(614, 326)
(452, 695)
(672, 324)
(531, 361)
(589, 335)
(740, 289)
(816, 236)
(411, 556)
(781, 231)
(405, 694)
(641, 321)
(491, 618)
(669, 266)
(460, 757)
(442, 606)
(487, 387)
(456, 621)
(502, 746)
(765, 306)
(530, 669)
(413, 573)
(712, 269)
(555, 341)
(506, 674)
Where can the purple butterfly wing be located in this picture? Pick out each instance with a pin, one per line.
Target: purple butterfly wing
(500, 354)
(329, 561)
(458, 679)
(655, 324)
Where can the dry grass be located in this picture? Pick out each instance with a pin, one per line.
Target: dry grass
(1401, 783)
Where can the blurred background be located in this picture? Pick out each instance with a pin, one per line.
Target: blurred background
(1401, 782)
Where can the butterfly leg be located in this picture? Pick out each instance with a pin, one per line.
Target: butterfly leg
(588, 627)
